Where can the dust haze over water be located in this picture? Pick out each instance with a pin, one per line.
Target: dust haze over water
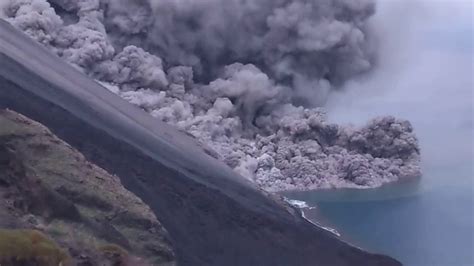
(424, 74)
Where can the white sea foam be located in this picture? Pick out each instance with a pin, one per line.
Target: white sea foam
(298, 203)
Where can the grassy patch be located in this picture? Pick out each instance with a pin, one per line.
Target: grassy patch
(30, 246)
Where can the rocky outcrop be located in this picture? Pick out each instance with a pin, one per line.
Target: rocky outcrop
(47, 185)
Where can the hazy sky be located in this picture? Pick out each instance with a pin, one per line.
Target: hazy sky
(424, 75)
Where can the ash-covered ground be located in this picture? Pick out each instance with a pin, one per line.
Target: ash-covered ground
(247, 78)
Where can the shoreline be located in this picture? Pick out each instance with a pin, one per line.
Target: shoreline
(312, 215)
(302, 206)
(308, 206)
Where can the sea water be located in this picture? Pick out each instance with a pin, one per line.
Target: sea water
(424, 74)
(425, 223)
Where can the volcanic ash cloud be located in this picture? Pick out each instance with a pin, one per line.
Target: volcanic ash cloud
(243, 77)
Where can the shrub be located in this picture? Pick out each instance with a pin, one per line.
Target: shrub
(30, 247)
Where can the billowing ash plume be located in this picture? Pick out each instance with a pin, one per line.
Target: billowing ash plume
(240, 75)
(305, 44)
(35, 18)
(133, 68)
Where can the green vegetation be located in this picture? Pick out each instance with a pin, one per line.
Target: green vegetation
(30, 246)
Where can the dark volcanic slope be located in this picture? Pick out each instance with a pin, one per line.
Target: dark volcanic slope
(212, 216)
